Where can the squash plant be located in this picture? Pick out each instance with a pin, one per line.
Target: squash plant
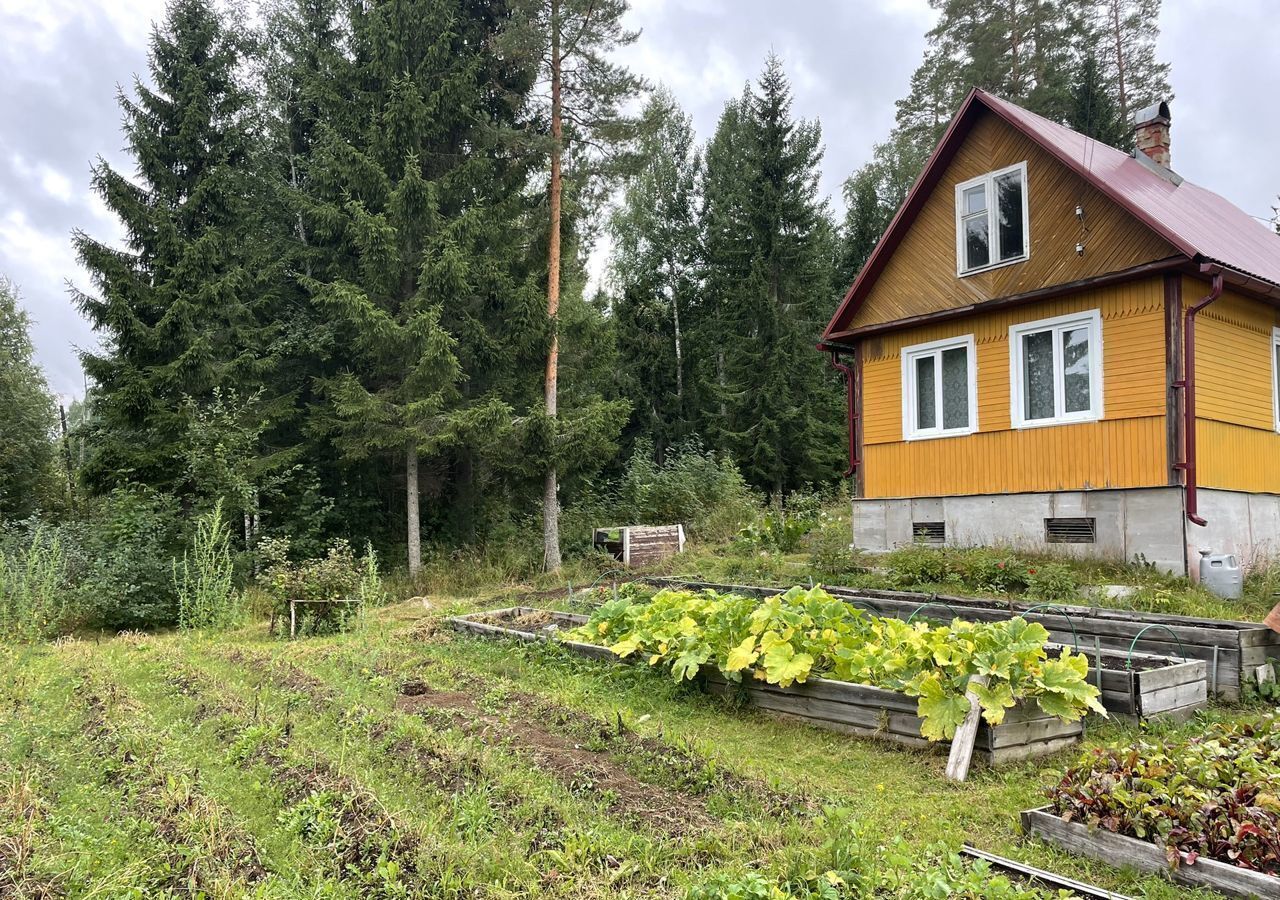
(789, 637)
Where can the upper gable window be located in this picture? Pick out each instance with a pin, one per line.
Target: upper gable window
(991, 220)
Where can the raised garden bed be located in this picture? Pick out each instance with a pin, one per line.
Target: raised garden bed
(1127, 852)
(1231, 651)
(835, 705)
(1134, 685)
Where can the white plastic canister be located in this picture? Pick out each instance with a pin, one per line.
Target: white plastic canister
(1221, 574)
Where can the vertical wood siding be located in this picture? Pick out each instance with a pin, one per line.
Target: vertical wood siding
(1126, 449)
(1238, 447)
(921, 276)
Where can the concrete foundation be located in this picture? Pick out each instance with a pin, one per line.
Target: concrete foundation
(1247, 525)
(1139, 523)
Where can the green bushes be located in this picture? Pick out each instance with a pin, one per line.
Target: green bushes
(692, 486)
(203, 580)
(32, 589)
(831, 555)
(775, 531)
(982, 570)
(334, 588)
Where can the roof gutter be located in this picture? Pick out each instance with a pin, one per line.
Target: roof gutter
(1188, 387)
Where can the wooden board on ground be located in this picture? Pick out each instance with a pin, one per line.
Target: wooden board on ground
(1130, 853)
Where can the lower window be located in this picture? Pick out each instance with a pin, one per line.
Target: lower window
(1275, 373)
(1057, 370)
(939, 389)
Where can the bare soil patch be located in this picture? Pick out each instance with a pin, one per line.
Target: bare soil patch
(583, 771)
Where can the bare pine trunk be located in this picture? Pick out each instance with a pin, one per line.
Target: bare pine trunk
(675, 318)
(550, 499)
(1115, 23)
(720, 382)
(411, 507)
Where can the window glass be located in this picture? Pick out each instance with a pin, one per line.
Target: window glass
(1009, 209)
(976, 252)
(955, 388)
(926, 398)
(975, 199)
(1075, 370)
(1037, 374)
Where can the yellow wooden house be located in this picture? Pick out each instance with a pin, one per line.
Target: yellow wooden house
(1059, 345)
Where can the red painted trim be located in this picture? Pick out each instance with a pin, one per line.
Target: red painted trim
(932, 173)
(893, 235)
(851, 386)
(1188, 385)
(1077, 165)
(1045, 293)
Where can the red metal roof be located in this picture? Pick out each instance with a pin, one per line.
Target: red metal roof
(1198, 222)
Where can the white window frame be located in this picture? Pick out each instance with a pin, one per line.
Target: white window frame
(988, 182)
(909, 392)
(1058, 324)
(1275, 376)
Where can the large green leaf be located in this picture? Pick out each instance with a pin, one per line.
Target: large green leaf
(741, 656)
(942, 710)
(1065, 690)
(994, 699)
(783, 665)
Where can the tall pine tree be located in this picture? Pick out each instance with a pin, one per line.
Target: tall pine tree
(588, 130)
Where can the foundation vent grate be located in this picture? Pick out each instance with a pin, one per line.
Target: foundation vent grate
(1071, 530)
(929, 532)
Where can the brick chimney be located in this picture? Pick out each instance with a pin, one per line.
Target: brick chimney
(1151, 132)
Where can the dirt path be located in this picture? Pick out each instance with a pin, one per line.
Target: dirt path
(583, 771)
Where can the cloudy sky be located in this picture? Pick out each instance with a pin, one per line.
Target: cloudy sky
(61, 61)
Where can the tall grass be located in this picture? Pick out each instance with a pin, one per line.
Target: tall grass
(32, 585)
(203, 580)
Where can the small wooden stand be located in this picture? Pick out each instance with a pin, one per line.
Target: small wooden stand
(293, 610)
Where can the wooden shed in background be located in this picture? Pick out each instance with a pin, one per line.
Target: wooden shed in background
(639, 545)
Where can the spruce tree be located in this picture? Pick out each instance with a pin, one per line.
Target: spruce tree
(177, 307)
(782, 416)
(655, 272)
(27, 418)
(1093, 110)
(407, 208)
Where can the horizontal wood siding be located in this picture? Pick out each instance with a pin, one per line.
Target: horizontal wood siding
(1128, 448)
(1237, 445)
(921, 276)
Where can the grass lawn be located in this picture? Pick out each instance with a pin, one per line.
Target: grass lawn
(402, 759)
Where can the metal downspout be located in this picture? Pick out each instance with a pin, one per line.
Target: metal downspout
(1188, 386)
(850, 380)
